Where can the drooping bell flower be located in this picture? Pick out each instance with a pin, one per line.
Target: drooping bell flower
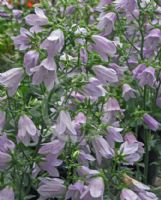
(147, 77)
(54, 43)
(2, 120)
(83, 56)
(127, 194)
(147, 196)
(27, 131)
(11, 80)
(7, 194)
(106, 23)
(30, 61)
(152, 123)
(93, 89)
(105, 75)
(126, 5)
(103, 46)
(49, 164)
(64, 127)
(128, 92)
(102, 4)
(114, 135)
(84, 171)
(74, 191)
(94, 190)
(119, 69)
(17, 14)
(153, 39)
(51, 188)
(84, 158)
(23, 41)
(6, 145)
(5, 159)
(37, 19)
(138, 70)
(53, 147)
(102, 149)
(42, 75)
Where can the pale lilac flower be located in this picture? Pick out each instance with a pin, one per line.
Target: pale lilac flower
(11, 79)
(30, 61)
(102, 149)
(147, 77)
(127, 5)
(5, 159)
(53, 147)
(64, 127)
(153, 39)
(138, 70)
(127, 194)
(6, 145)
(54, 43)
(2, 120)
(22, 41)
(119, 69)
(105, 75)
(49, 164)
(84, 171)
(51, 187)
(147, 196)
(7, 194)
(151, 122)
(94, 190)
(103, 46)
(27, 131)
(106, 23)
(6, 3)
(94, 88)
(128, 92)
(37, 19)
(114, 135)
(43, 75)
(85, 157)
(17, 14)
(74, 191)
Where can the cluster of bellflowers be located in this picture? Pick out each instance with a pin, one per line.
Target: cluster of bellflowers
(80, 112)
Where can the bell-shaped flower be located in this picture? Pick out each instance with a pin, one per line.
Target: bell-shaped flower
(147, 77)
(147, 196)
(94, 190)
(6, 145)
(114, 135)
(103, 46)
(30, 61)
(54, 43)
(41, 74)
(37, 19)
(5, 159)
(74, 191)
(126, 5)
(64, 127)
(93, 89)
(119, 69)
(127, 194)
(102, 149)
(152, 123)
(105, 75)
(153, 39)
(138, 70)
(2, 120)
(51, 188)
(158, 102)
(128, 92)
(22, 41)
(53, 147)
(7, 194)
(106, 23)
(27, 131)
(84, 171)
(11, 79)
(83, 55)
